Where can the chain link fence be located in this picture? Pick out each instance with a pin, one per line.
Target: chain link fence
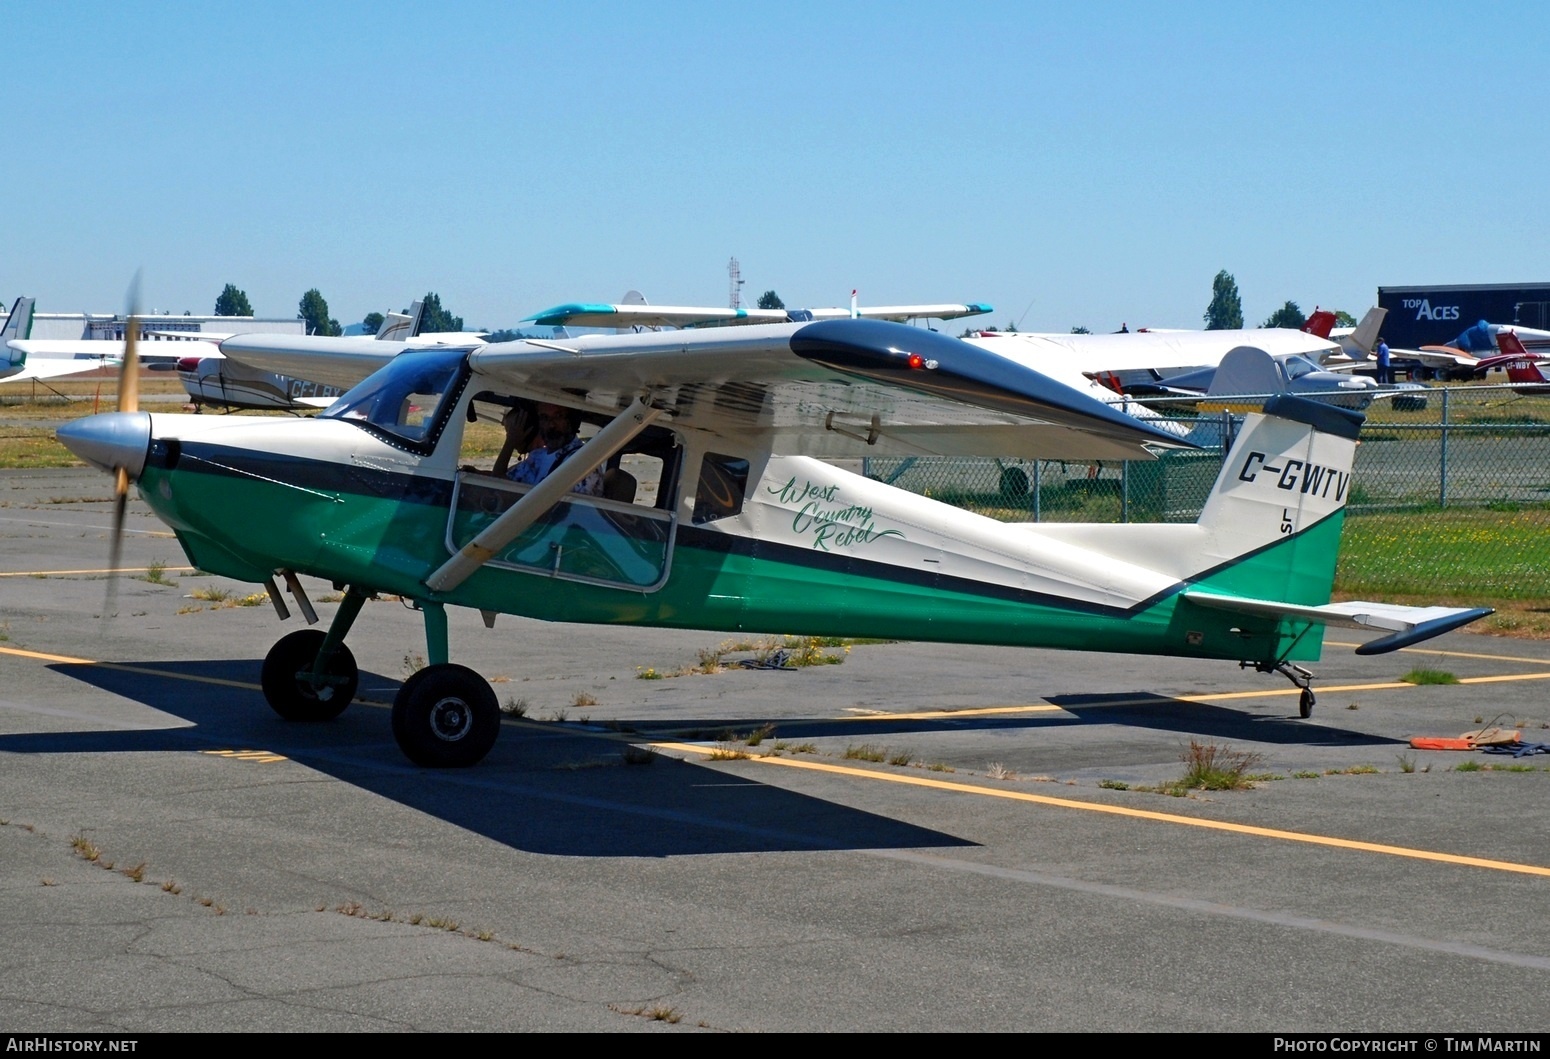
(1472, 460)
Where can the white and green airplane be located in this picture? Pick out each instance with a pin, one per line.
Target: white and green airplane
(720, 510)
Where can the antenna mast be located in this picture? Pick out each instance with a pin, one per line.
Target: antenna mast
(734, 284)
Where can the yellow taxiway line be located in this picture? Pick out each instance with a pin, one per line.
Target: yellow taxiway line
(1123, 811)
(83, 573)
(149, 671)
(995, 792)
(1452, 654)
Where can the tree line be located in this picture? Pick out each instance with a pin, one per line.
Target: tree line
(1225, 312)
(313, 309)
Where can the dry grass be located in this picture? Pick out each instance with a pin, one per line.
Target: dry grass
(1208, 767)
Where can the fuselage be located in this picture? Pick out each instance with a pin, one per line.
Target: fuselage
(737, 538)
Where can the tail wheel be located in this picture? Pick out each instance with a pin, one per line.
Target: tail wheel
(287, 685)
(446, 716)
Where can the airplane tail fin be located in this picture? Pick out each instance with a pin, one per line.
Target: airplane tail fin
(1273, 524)
(1359, 344)
(1320, 324)
(396, 327)
(1521, 365)
(19, 323)
(1287, 478)
(1246, 369)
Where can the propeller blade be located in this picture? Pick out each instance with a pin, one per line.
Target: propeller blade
(128, 401)
(129, 370)
(116, 544)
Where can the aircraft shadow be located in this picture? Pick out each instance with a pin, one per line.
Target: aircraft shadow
(549, 789)
(1132, 709)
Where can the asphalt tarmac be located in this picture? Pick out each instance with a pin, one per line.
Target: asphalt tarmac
(173, 856)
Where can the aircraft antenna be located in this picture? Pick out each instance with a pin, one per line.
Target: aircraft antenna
(734, 284)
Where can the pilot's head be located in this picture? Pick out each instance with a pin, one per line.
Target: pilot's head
(557, 424)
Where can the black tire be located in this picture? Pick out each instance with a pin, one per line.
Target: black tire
(1014, 484)
(1305, 704)
(296, 699)
(446, 716)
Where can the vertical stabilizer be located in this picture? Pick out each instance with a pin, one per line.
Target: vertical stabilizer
(1362, 340)
(19, 323)
(1289, 471)
(1522, 366)
(1320, 324)
(396, 327)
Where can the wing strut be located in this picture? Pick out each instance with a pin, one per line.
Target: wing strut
(543, 496)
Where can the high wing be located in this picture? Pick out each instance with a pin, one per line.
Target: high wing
(55, 358)
(317, 358)
(53, 367)
(333, 361)
(828, 388)
(587, 314)
(1445, 358)
(596, 314)
(905, 313)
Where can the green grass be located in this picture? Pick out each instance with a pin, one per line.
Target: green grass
(1429, 676)
(1476, 554)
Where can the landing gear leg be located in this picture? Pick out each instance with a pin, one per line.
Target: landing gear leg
(445, 716)
(1299, 676)
(310, 675)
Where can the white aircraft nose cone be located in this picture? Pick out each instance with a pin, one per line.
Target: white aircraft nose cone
(110, 440)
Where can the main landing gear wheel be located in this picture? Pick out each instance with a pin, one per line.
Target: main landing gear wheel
(446, 716)
(1298, 675)
(292, 695)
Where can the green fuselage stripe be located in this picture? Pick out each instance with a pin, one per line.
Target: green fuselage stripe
(381, 543)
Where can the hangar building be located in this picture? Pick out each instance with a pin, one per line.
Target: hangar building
(93, 326)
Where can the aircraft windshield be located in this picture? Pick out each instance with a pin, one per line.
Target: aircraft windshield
(1297, 367)
(408, 399)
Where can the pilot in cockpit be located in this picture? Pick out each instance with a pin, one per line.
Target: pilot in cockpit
(549, 441)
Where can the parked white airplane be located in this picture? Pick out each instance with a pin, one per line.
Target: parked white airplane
(27, 359)
(1141, 360)
(215, 379)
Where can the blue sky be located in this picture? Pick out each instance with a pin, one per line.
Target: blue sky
(1072, 164)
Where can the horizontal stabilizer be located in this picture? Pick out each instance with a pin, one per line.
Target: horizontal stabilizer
(1405, 625)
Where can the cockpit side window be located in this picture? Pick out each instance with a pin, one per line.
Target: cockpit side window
(723, 485)
(409, 400)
